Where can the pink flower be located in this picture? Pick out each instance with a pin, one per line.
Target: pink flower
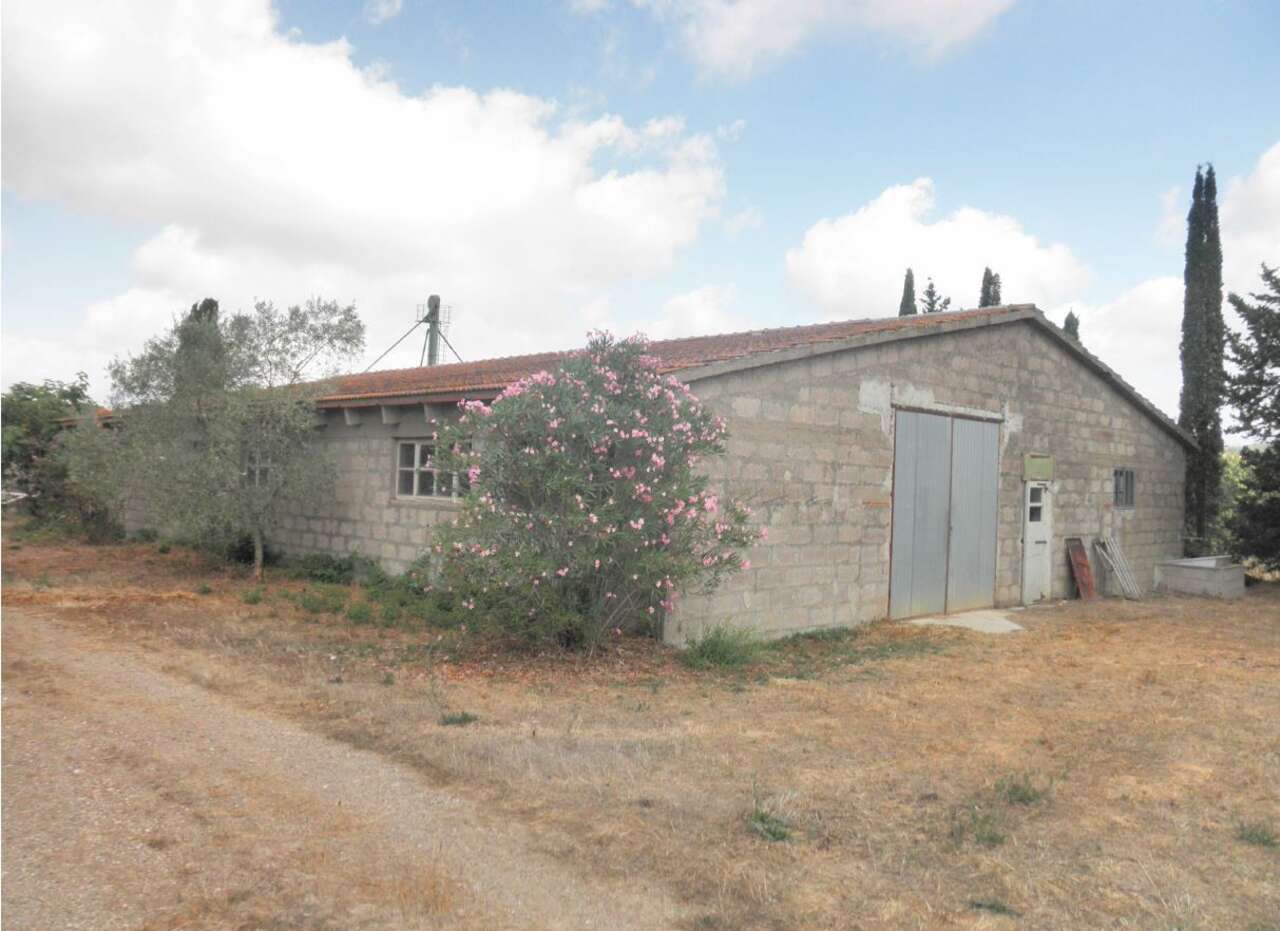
(746, 564)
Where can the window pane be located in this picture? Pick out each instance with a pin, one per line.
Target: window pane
(1035, 513)
(444, 484)
(425, 454)
(405, 483)
(426, 483)
(406, 455)
(1036, 493)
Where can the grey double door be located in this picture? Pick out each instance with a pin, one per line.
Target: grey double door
(945, 476)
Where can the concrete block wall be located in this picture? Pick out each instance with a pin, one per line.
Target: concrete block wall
(811, 449)
(363, 515)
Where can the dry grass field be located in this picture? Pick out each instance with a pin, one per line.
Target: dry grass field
(1115, 765)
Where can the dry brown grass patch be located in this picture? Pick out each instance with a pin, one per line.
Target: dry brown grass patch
(1147, 728)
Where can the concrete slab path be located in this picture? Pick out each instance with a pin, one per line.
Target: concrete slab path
(984, 621)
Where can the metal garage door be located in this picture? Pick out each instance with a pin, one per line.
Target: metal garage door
(944, 514)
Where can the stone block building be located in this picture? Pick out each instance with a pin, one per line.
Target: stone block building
(903, 466)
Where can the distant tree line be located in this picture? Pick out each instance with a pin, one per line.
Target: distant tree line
(933, 302)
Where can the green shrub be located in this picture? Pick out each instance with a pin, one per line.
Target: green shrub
(163, 548)
(336, 570)
(204, 589)
(360, 612)
(253, 596)
(721, 647)
(587, 513)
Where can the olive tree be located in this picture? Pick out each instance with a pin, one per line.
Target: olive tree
(215, 421)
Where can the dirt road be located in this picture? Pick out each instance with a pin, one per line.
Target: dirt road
(134, 799)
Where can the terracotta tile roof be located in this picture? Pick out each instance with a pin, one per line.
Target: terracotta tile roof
(489, 376)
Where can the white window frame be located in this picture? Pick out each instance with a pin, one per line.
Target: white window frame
(424, 473)
(257, 467)
(1124, 488)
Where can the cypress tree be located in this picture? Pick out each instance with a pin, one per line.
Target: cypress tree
(907, 306)
(1071, 325)
(1202, 348)
(990, 294)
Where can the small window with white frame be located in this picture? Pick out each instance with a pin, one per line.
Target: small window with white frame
(1124, 493)
(257, 467)
(417, 475)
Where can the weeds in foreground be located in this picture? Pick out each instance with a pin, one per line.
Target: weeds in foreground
(994, 906)
(1020, 790)
(253, 596)
(322, 599)
(721, 647)
(1258, 833)
(983, 826)
(766, 820)
(204, 589)
(360, 612)
(458, 719)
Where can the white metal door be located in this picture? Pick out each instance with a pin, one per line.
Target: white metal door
(1037, 532)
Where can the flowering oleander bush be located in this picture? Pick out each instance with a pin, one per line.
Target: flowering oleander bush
(585, 515)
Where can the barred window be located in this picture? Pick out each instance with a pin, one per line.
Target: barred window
(418, 477)
(1124, 487)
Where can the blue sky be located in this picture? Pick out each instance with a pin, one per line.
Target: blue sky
(675, 166)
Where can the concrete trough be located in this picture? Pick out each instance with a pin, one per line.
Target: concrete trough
(1216, 576)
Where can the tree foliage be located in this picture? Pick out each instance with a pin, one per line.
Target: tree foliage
(907, 306)
(1202, 348)
(215, 426)
(1253, 390)
(1071, 325)
(990, 294)
(586, 513)
(1253, 387)
(33, 417)
(932, 301)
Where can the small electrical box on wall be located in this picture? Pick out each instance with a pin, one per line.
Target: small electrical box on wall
(1037, 467)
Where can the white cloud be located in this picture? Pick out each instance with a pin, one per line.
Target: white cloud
(749, 218)
(734, 38)
(1137, 334)
(853, 265)
(699, 312)
(378, 12)
(276, 168)
(1249, 214)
